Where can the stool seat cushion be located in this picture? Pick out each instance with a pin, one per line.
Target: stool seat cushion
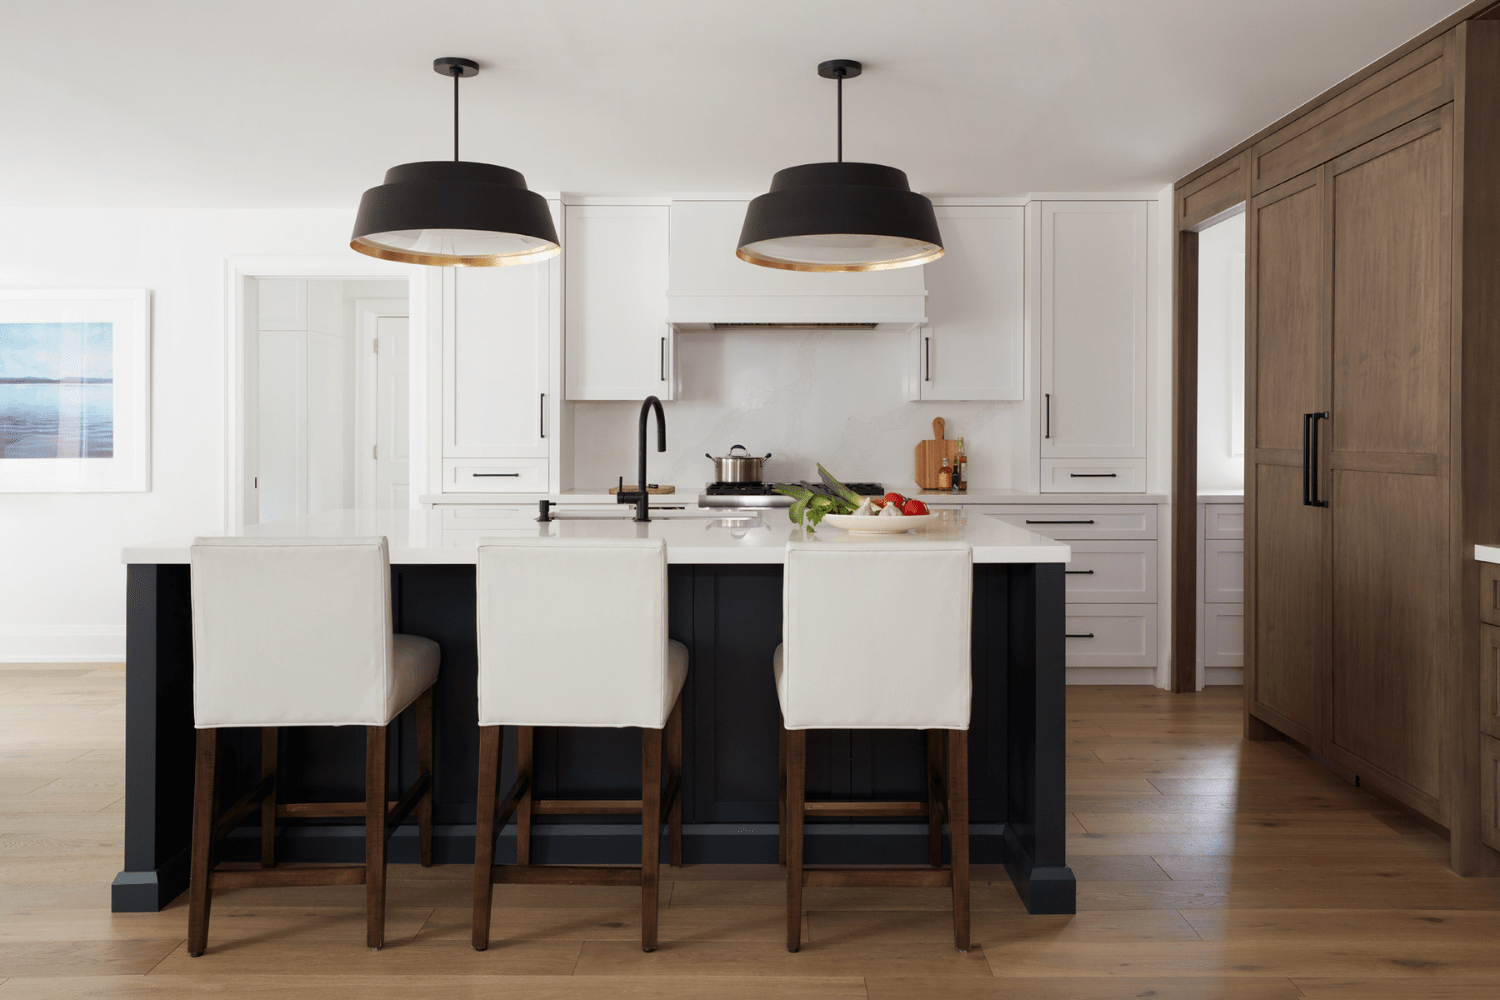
(876, 636)
(573, 632)
(415, 670)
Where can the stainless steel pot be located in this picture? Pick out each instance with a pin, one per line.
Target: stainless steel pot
(732, 468)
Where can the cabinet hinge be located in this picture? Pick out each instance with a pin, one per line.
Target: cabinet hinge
(375, 452)
(375, 346)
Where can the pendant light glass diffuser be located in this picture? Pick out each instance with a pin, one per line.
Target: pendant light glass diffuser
(454, 213)
(840, 216)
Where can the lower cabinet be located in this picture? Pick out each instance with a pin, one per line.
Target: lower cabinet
(1489, 790)
(1221, 593)
(1111, 581)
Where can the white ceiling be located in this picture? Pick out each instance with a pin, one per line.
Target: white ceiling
(306, 102)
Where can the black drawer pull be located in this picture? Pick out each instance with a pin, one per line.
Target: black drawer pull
(1078, 572)
(1094, 475)
(491, 475)
(1078, 635)
(1030, 521)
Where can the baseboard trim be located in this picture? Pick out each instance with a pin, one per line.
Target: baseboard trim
(1112, 675)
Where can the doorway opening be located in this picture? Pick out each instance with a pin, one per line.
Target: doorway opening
(327, 402)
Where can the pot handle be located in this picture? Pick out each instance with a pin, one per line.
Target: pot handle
(709, 457)
(768, 455)
(741, 448)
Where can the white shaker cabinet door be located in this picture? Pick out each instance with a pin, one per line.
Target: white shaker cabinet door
(1093, 329)
(495, 360)
(974, 346)
(618, 344)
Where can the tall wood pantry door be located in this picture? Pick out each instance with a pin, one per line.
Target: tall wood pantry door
(1387, 450)
(1287, 368)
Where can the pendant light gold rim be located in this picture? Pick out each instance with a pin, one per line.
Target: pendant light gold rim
(451, 260)
(884, 265)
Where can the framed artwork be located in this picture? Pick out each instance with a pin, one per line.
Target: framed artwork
(75, 391)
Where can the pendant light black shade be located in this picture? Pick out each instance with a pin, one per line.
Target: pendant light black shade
(454, 213)
(840, 216)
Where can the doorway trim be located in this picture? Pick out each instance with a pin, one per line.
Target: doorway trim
(423, 296)
(367, 315)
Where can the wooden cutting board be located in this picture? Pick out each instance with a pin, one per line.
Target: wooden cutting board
(650, 490)
(930, 455)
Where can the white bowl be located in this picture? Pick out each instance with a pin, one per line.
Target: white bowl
(878, 525)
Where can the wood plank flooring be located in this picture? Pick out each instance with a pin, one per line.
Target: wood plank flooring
(1208, 868)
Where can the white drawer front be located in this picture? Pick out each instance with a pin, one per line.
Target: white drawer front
(1223, 520)
(1223, 571)
(1069, 521)
(499, 475)
(1111, 635)
(1116, 475)
(1112, 572)
(1224, 635)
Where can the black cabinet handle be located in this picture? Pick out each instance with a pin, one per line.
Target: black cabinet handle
(493, 475)
(1093, 475)
(1078, 572)
(663, 362)
(541, 419)
(1078, 635)
(1048, 409)
(1307, 459)
(927, 350)
(1316, 459)
(1030, 521)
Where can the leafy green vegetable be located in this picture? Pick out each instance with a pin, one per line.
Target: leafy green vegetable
(811, 507)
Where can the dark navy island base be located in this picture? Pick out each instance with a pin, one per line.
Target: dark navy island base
(729, 617)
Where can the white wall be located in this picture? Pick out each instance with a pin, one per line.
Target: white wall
(1221, 355)
(62, 592)
(807, 396)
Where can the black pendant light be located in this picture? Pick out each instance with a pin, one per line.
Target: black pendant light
(458, 213)
(840, 216)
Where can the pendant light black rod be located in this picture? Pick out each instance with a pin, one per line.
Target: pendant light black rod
(841, 115)
(457, 74)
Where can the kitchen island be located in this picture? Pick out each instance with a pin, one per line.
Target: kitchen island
(725, 605)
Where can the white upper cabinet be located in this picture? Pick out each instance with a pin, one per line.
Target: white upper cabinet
(496, 323)
(974, 344)
(1094, 257)
(618, 343)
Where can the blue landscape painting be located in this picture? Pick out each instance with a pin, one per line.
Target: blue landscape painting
(57, 388)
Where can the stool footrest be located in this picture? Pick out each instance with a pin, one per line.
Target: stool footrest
(564, 875)
(585, 807)
(398, 812)
(311, 875)
(293, 810)
(244, 807)
(881, 878)
(866, 809)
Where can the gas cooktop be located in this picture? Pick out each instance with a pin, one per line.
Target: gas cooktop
(765, 495)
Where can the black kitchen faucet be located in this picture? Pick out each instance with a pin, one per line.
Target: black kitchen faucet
(642, 497)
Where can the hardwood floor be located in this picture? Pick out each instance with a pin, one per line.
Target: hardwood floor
(1208, 868)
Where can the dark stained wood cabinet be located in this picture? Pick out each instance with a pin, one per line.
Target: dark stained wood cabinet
(1373, 426)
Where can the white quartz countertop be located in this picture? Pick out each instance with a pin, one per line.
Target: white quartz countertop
(434, 536)
(1487, 553)
(688, 496)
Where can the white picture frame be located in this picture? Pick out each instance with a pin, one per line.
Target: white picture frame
(75, 390)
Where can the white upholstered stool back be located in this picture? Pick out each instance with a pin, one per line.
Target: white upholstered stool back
(573, 632)
(297, 632)
(876, 635)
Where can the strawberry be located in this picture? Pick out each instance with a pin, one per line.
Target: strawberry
(895, 498)
(914, 508)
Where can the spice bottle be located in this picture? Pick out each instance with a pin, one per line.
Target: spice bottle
(945, 475)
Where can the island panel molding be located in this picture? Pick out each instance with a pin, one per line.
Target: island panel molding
(75, 384)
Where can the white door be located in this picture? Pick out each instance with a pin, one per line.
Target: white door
(391, 454)
(1093, 324)
(974, 346)
(280, 472)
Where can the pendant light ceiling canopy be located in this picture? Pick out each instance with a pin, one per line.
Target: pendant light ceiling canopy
(840, 216)
(454, 213)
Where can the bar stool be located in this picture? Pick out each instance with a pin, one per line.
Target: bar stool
(573, 632)
(876, 636)
(297, 632)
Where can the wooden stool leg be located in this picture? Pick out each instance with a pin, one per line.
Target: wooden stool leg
(674, 770)
(424, 768)
(796, 787)
(935, 797)
(484, 831)
(650, 833)
(958, 824)
(524, 766)
(781, 838)
(205, 811)
(268, 746)
(377, 767)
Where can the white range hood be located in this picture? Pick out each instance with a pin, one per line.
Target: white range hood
(709, 288)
